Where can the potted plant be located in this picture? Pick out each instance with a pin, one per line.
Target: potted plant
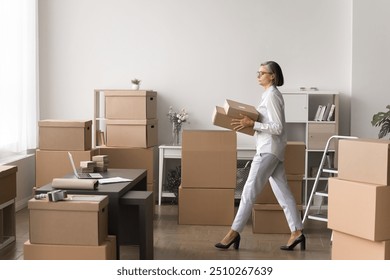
(382, 119)
(135, 84)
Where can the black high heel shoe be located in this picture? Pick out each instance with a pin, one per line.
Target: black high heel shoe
(300, 239)
(235, 241)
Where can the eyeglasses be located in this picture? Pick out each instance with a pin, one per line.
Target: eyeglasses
(261, 73)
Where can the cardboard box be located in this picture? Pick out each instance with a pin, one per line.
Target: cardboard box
(134, 158)
(81, 220)
(220, 118)
(201, 206)
(7, 183)
(294, 158)
(105, 251)
(56, 164)
(295, 183)
(359, 209)
(236, 109)
(64, 135)
(130, 104)
(270, 218)
(209, 159)
(364, 160)
(349, 247)
(132, 133)
(319, 134)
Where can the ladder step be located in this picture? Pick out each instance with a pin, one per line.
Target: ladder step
(318, 217)
(324, 194)
(330, 170)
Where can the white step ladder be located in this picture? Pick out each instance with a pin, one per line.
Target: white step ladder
(322, 194)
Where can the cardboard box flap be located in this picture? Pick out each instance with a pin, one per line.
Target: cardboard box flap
(234, 109)
(85, 203)
(65, 123)
(130, 93)
(132, 122)
(6, 170)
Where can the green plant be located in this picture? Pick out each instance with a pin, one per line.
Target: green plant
(136, 81)
(382, 119)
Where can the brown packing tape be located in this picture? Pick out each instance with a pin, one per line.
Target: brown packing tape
(64, 183)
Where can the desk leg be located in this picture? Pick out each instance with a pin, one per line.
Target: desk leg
(145, 219)
(114, 223)
(160, 174)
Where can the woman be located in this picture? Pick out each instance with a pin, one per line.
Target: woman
(268, 162)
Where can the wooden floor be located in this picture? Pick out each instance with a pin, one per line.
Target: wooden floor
(185, 242)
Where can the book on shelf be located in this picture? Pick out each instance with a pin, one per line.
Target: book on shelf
(316, 118)
(331, 112)
(326, 113)
(321, 115)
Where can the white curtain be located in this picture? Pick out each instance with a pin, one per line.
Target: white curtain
(18, 75)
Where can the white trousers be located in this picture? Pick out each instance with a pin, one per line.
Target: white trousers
(264, 167)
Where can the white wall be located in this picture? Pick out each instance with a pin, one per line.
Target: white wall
(193, 53)
(371, 60)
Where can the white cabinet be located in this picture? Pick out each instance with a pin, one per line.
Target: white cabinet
(301, 109)
(296, 108)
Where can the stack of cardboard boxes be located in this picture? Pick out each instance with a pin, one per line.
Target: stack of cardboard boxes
(208, 177)
(56, 139)
(359, 201)
(74, 229)
(267, 215)
(131, 131)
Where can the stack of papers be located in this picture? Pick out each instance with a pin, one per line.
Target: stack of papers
(114, 180)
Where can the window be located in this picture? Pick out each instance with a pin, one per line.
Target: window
(18, 76)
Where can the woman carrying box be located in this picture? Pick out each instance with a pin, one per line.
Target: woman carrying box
(268, 162)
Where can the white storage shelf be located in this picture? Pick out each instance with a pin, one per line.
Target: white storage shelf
(300, 109)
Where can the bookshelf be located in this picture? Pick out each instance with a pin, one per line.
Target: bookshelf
(309, 118)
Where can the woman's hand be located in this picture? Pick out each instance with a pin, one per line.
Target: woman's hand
(242, 123)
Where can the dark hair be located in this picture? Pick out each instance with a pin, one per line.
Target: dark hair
(275, 69)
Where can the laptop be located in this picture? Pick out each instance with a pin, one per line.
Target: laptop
(83, 175)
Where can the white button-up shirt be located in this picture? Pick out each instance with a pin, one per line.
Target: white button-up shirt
(271, 126)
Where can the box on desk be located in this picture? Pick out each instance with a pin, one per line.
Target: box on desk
(209, 159)
(132, 133)
(200, 206)
(364, 160)
(105, 251)
(131, 104)
(134, 158)
(64, 135)
(81, 220)
(359, 209)
(7, 183)
(56, 164)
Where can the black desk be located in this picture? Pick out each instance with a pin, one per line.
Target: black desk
(121, 223)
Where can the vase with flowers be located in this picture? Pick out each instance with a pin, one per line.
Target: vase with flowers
(177, 119)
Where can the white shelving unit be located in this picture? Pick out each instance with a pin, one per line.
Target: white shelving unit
(301, 108)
